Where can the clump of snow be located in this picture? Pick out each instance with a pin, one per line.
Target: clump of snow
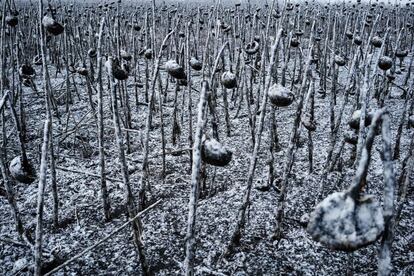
(214, 153)
(48, 21)
(16, 166)
(19, 173)
(304, 219)
(196, 64)
(172, 65)
(174, 69)
(280, 95)
(229, 80)
(19, 266)
(340, 222)
(356, 115)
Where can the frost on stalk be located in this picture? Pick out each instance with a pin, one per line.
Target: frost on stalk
(340, 222)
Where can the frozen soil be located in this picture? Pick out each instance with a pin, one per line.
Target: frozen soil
(81, 216)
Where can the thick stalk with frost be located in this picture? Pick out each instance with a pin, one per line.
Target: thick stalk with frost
(290, 154)
(384, 260)
(241, 216)
(190, 99)
(405, 109)
(104, 190)
(144, 175)
(365, 95)
(136, 226)
(195, 184)
(332, 95)
(44, 152)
